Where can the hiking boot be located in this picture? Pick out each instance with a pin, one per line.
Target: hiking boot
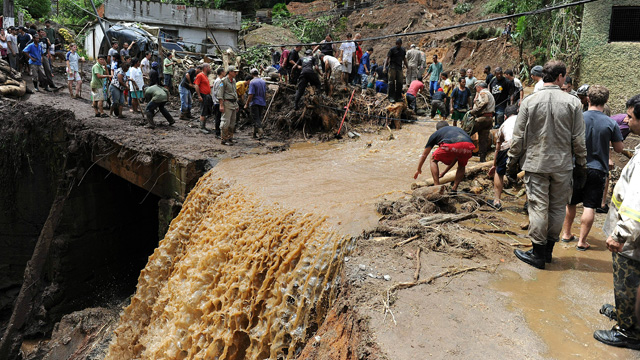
(609, 311)
(46, 88)
(150, 119)
(548, 251)
(534, 257)
(619, 337)
(183, 116)
(189, 116)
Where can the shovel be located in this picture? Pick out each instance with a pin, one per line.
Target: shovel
(338, 136)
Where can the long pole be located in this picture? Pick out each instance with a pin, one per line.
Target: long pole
(346, 112)
(100, 22)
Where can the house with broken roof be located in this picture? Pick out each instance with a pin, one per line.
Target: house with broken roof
(198, 29)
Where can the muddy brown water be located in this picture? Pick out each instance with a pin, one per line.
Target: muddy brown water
(340, 182)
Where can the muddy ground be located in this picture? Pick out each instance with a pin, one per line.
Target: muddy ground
(497, 308)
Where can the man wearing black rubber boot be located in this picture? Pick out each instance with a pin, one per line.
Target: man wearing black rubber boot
(623, 228)
(547, 160)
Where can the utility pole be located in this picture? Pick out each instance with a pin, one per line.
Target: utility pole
(8, 12)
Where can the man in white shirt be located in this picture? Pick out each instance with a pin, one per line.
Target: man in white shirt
(536, 75)
(145, 66)
(503, 143)
(347, 50)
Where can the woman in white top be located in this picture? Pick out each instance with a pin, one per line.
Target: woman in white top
(136, 83)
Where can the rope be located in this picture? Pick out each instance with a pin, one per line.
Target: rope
(526, 13)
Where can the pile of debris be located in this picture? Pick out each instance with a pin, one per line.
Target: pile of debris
(323, 114)
(11, 83)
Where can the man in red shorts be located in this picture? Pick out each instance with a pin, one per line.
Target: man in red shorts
(454, 146)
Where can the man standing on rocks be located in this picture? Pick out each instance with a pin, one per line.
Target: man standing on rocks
(600, 131)
(395, 59)
(308, 75)
(435, 69)
(623, 228)
(413, 62)
(346, 56)
(228, 97)
(548, 160)
(167, 71)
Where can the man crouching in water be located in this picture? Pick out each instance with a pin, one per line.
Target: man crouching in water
(454, 146)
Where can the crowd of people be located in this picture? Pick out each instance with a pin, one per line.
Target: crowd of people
(561, 140)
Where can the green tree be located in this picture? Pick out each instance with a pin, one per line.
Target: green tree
(36, 8)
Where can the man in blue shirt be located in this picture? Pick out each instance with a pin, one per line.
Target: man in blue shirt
(365, 68)
(34, 52)
(257, 100)
(600, 130)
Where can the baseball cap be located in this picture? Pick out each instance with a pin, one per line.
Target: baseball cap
(154, 64)
(254, 71)
(536, 70)
(308, 52)
(231, 68)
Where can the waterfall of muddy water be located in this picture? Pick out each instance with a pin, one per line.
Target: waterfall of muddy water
(240, 275)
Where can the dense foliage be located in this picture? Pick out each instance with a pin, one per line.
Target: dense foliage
(549, 35)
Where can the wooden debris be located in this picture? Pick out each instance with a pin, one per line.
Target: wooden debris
(404, 242)
(11, 83)
(416, 274)
(438, 219)
(452, 272)
(470, 171)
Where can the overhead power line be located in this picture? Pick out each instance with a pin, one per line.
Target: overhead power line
(422, 32)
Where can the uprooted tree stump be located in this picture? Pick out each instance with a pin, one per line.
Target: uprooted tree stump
(11, 82)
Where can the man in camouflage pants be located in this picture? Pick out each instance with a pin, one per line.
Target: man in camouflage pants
(623, 228)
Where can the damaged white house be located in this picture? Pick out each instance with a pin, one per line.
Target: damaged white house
(193, 27)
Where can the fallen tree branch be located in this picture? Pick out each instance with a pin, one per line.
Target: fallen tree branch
(404, 242)
(495, 231)
(437, 219)
(453, 272)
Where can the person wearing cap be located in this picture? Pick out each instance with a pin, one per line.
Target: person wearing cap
(257, 100)
(98, 75)
(536, 75)
(154, 76)
(548, 161)
(228, 97)
(156, 97)
(413, 62)
(396, 57)
(308, 75)
(438, 104)
(483, 108)
(434, 71)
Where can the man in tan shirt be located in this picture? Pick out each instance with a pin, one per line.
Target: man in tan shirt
(483, 108)
(548, 133)
(228, 97)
